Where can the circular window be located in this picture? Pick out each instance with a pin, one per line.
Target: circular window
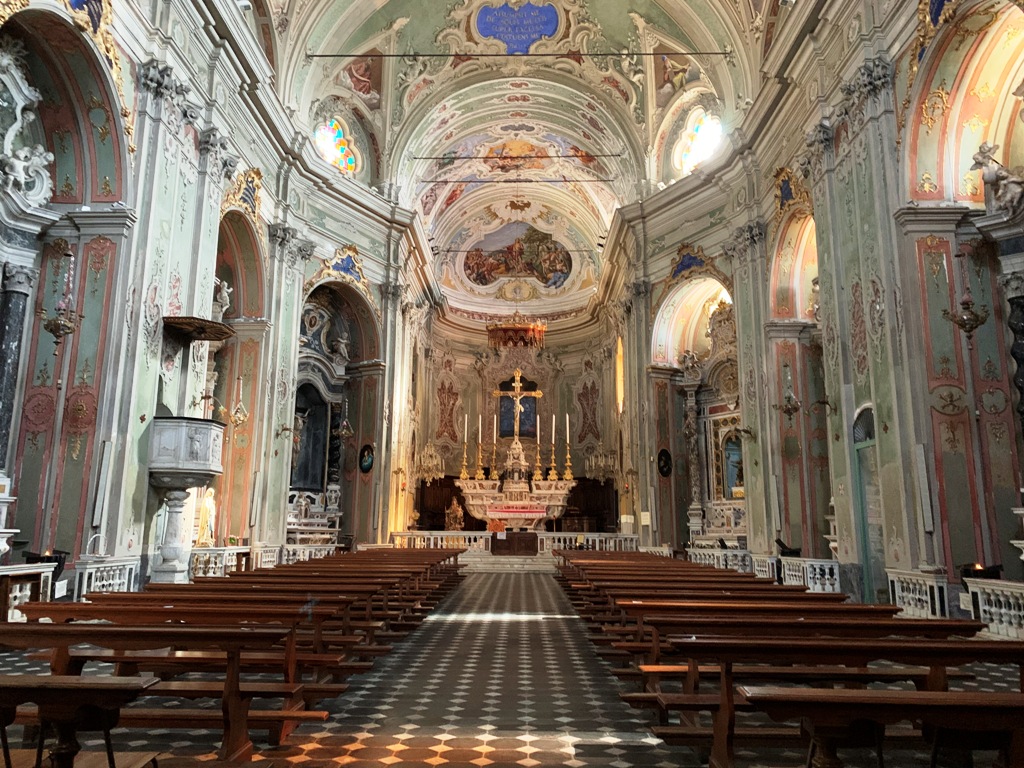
(334, 143)
(699, 141)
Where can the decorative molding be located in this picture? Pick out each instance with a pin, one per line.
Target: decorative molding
(18, 279)
(215, 147)
(245, 195)
(26, 171)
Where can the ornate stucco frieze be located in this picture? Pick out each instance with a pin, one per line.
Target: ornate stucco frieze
(215, 146)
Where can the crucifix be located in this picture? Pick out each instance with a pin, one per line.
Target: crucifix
(517, 393)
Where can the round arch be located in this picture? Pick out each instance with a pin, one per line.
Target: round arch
(682, 321)
(80, 114)
(240, 262)
(794, 270)
(963, 97)
(359, 314)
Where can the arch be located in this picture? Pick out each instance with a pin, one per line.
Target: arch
(240, 261)
(80, 113)
(794, 270)
(344, 301)
(961, 97)
(682, 321)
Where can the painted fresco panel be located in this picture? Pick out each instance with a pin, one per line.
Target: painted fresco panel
(518, 250)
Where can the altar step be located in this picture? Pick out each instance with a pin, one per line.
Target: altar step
(485, 562)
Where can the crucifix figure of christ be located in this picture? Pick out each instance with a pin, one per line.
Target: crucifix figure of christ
(517, 393)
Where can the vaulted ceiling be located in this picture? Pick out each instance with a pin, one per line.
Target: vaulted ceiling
(516, 163)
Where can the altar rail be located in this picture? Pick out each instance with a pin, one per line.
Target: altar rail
(816, 575)
(735, 559)
(220, 561)
(480, 541)
(766, 567)
(920, 595)
(1000, 604)
(22, 583)
(99, 573)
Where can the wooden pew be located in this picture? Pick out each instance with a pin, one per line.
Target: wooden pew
(64, 700)
(726, 652)
(830, 716)
(236, 745)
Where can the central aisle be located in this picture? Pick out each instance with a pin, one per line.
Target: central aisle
(500, 674)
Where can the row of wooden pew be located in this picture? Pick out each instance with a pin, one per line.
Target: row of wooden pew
(699, 640)
(311, 624)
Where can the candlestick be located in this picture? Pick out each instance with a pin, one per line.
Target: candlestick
(494, 461)
(538, 473)
(464, 474)
(479, 462)
(567, 474)
(552, 472)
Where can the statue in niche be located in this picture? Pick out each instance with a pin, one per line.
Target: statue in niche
(223, 294)
(298, 427)
(339, 349)
(1004, 189)
(207, 519)
(733, 455)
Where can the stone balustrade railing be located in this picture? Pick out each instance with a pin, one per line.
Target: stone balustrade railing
(216, 561)
(25, 583)
(267, 557)
(295, 553)
(735, 559)
(816, 575)
(547, 542)
(766, 567)
(99, 573)
(1000, 604)
(920, 595)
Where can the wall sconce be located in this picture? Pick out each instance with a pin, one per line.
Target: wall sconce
(747, 433)
(282, 430)
(790, 405)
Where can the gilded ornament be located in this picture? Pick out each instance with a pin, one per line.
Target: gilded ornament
(245, 195)
(976, 123)
(983, 91)
(927, 184)
(934, 106)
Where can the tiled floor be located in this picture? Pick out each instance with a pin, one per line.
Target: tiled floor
(501, 674)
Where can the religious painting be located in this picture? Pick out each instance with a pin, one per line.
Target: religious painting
(664, 463)
(732, 450)
(363, 76)
(366, 458)
(515, 155)
(507, 411)
(672, 72)
(518, 250)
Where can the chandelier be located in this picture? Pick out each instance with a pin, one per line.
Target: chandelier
(65, 319)
(600, 465)
(429, 464)
(518, 331)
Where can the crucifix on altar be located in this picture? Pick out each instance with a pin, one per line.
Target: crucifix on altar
(517, 393)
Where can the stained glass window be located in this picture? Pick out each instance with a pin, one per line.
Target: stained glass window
(698, 142)
(334, 144)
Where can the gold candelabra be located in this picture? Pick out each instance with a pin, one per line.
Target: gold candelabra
(464, 473)
(552, 472)
(538, 472)
(479, 462)
(567, 475)
(494, 461)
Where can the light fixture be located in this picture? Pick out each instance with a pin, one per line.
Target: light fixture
(429, 464)
(65, 320)
(518, 331)
(600, 465)
(967, 319)
(790, 404)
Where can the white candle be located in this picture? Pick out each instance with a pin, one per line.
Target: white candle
(552, 429)
(567, 429)
(465, 427)
(479, 427)
(538, 430)
(494, 430)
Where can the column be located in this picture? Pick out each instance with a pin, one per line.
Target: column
(17, 285)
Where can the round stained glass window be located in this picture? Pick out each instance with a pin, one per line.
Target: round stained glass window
(335, 146)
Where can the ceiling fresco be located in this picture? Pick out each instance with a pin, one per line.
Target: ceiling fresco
(516, 128)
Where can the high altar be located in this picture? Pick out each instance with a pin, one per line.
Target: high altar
(517, 498)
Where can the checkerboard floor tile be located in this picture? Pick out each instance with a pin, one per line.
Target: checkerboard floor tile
(501, 674)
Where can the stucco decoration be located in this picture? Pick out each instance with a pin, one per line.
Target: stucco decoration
(690, 263)
(18, 97)
(244, 196)
(587, 398)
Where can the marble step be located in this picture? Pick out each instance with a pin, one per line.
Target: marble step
(485, 562)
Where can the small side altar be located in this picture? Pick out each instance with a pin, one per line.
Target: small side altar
(516, 499)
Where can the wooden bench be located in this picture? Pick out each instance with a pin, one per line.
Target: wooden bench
(68, 701)
(830, 716)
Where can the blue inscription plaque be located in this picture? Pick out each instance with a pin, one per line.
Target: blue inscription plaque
(518, 28)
